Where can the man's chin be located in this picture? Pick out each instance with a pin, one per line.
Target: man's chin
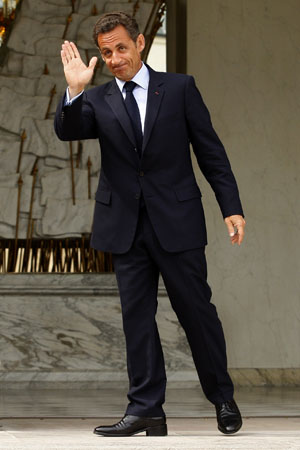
(121, 74)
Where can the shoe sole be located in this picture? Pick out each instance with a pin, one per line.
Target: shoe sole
(160, 430)
(230, 432)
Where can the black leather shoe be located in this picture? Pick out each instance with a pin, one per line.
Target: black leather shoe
(130, 425)
(229, 417)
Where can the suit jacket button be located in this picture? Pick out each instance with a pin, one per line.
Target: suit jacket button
(141, 173)
(135, 149)
(137, 196)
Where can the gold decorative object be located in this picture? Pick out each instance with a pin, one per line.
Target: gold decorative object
(52, 93)
(72, 172)
(94, 11)
(89, 165)
(7, 17)
(23, 137)
(69, 20)
(46, 70)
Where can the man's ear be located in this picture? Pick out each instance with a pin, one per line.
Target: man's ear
(140, 42)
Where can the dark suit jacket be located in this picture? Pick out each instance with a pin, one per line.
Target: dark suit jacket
(176, 116)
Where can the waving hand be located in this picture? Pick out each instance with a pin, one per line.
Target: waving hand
(77, 74)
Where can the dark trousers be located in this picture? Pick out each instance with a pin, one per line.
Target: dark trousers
(184, 275)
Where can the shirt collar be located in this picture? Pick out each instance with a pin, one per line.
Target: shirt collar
(141, 78)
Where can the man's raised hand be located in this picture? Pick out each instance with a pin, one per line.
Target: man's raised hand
(77, 74)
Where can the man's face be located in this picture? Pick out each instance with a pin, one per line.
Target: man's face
(121, 54)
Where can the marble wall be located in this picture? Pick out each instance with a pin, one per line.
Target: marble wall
(65, 331)
(245, 58)
(67, 328)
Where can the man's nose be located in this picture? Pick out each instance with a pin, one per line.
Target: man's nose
(115, 59)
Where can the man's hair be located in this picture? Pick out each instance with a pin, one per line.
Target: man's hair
(109, 21)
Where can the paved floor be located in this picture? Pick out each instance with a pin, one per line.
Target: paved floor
(189, 402)
(64, 420)
(189, 434)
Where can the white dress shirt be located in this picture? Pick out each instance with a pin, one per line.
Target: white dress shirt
(140, 92)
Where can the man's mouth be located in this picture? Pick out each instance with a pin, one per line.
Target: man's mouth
(119, 67)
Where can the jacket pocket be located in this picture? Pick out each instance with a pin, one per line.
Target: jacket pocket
(103, 197)
(187, 193)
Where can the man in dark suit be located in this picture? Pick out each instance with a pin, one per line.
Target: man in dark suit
(149, 214)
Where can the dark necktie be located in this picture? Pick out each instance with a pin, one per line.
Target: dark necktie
(134, 114)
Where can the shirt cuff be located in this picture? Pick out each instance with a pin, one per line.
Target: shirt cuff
(69, 101)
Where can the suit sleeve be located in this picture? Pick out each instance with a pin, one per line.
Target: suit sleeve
(76, 121)
(210, 152)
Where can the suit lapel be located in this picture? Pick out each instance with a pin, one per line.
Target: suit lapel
(115, 100)
(155, 96)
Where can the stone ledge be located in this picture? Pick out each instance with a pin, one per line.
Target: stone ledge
(15, 284)
(94, 379)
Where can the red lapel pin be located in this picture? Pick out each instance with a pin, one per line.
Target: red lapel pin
(157, 93)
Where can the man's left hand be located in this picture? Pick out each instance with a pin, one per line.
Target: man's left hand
(235, 225)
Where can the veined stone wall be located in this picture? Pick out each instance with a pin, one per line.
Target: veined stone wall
(65, 331)
(67, 328)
